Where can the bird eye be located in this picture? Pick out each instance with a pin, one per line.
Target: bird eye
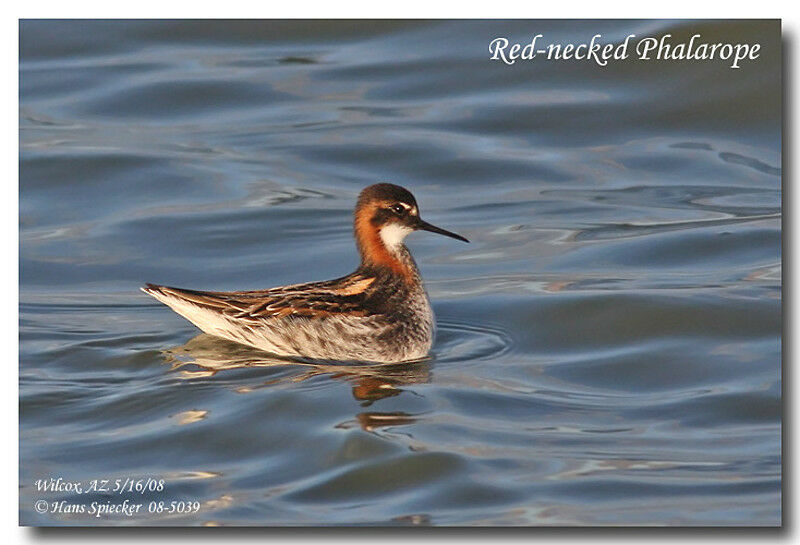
(398, 209)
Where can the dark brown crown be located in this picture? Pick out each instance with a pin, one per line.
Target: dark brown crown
(385, 192)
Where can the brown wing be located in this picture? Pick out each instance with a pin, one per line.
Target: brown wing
(313, 300)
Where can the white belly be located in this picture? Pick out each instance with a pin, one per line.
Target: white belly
(342, 338)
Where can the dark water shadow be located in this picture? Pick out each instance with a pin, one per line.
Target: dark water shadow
(788, 43)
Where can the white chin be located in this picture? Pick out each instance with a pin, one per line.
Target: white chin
(394, 234)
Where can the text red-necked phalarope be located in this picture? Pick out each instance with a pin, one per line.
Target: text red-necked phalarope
(379, 313)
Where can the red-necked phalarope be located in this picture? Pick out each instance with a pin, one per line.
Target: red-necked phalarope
(379, 313)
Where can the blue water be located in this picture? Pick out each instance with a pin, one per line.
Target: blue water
(609, 345)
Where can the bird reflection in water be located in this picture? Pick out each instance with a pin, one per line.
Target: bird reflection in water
(206, 355)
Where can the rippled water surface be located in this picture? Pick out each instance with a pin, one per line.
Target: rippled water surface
(609, 345)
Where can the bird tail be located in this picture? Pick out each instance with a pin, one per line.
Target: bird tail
(200, 308)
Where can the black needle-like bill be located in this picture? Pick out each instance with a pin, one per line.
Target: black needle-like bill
(425, 226)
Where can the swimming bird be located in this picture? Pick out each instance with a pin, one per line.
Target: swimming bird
(379, 313)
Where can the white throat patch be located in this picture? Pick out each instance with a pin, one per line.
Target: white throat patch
(393, 235)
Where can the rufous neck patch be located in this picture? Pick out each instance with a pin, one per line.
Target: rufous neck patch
(372, 247)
